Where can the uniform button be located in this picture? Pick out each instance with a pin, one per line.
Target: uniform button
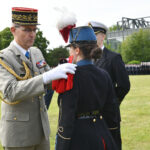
(15, 118)
(101, 117)
(94, 120)
(32, 99)
(41, 109)
(40, 97)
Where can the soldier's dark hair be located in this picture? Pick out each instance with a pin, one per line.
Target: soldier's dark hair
(89, 50)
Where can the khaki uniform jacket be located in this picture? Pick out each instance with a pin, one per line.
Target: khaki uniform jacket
(26, 123)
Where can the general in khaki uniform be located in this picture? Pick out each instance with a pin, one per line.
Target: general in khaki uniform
(24, 76)
(24, 120)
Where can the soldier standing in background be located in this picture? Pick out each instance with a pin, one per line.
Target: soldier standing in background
(113, 64)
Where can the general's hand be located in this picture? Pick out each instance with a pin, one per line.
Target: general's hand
(59, 72)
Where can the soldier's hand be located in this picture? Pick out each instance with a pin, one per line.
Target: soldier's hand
(59, 72)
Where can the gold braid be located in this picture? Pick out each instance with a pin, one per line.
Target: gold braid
(10, 103)
(27, 76)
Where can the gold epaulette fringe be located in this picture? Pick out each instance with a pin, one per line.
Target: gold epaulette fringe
(27, 76)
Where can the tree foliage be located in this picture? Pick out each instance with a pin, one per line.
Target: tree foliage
(42, 43)
(134, 62)
(115, 28)
(5, 38)
(55, 55)
(137, 46)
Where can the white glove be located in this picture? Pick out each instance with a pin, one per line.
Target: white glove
(59, 72)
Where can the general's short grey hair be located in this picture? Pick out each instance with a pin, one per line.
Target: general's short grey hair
(15, 25)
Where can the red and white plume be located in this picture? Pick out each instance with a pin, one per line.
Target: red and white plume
(66, 22)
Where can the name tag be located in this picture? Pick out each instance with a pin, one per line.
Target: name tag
(41, 64)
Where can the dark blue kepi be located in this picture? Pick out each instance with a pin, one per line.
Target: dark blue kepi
(82, 34)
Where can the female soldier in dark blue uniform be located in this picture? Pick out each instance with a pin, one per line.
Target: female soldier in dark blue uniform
(82, 109)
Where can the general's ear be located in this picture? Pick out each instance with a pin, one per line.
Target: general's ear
(12, 29)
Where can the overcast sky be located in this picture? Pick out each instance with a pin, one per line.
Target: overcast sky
(106, 11)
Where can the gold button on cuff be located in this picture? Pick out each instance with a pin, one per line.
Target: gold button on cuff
(101, 117)
(41, 109)
(94, 120)
(15, 118)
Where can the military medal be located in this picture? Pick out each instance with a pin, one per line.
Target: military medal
(41, 64)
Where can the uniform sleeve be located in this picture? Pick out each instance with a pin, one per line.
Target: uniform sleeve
(121, 77)
(111, 107)
(67, 116)
(13, 90)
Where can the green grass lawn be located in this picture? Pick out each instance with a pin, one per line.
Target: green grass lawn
(135, 112)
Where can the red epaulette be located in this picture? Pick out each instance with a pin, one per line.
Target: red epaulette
(63, 85)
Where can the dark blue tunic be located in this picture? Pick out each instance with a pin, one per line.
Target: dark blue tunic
(92, 92)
